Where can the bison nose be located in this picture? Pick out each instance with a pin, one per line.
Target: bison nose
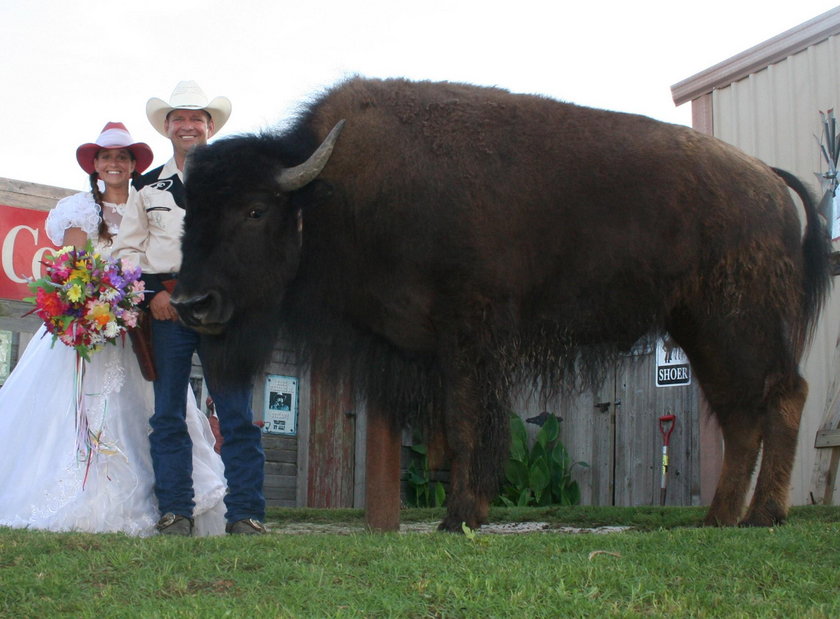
(204, 312)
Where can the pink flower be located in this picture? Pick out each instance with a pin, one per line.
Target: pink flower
(130, 318)
(59, 274)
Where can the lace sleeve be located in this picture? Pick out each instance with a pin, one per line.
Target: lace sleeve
(76, 211)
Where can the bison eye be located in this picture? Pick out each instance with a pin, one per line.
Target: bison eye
(256, 213)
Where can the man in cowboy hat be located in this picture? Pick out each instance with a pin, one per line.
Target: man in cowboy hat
(150, 235)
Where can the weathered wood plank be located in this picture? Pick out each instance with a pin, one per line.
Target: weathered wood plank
(279, 502)
(280, 481)
(281, 468)
(639, 440)
(331, 461)
(31, 195)
(280, 497)
(280, 455)
(279, 441)
(382, 470)
(614, 428)
(827, 438)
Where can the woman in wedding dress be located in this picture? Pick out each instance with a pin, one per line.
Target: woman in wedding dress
(47, 480)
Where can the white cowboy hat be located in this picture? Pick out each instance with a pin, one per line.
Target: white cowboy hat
(187, 96)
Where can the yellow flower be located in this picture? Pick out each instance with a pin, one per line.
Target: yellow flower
(74, 294)
(81, 272)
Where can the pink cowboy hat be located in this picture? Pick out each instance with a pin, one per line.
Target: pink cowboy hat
(114, 135)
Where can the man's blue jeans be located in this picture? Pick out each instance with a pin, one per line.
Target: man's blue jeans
(171, 447)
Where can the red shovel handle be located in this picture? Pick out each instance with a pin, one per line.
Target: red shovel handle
(663, 421)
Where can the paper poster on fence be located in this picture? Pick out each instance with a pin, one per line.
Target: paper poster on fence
(672, 367)
(281, 404)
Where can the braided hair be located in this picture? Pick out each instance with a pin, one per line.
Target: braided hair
(103, 232)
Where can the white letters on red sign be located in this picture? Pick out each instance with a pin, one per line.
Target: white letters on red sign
(23, 244)
(8, 254)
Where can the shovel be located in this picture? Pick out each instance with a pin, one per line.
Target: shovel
(666, 426)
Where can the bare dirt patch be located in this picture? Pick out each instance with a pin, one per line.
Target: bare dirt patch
(504, 528)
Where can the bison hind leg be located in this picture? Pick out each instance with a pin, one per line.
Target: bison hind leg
(746, 358)
(724, 382)
(771, 429)
(742, 441)
(769, 504)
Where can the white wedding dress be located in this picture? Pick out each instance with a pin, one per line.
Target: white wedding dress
(45, 481)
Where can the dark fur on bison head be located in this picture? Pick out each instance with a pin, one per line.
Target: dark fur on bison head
(241, 248)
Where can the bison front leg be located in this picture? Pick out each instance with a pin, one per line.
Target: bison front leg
(478, 441)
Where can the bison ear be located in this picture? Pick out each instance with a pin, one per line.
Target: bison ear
(292, 179)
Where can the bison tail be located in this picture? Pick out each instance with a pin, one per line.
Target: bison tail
(816, 252)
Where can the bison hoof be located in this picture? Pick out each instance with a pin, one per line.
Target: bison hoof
(711, 521)
(768, 516)
(455, 525)
(720, 520)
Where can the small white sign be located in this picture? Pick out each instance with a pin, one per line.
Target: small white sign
(672, 367)
(281, 404)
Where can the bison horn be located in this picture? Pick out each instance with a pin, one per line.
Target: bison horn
(294, 178)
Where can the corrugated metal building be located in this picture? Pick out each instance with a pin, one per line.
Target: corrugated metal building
(767, 101)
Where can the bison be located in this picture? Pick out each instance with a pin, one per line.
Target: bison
(456, 241)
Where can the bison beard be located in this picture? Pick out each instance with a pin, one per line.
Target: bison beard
(460, 240)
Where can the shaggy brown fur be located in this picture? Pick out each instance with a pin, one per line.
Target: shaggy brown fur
(463, 239)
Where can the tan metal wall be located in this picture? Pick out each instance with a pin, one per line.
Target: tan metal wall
(774, 115)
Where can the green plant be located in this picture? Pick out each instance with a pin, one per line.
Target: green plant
(540, 475)
(421, 490)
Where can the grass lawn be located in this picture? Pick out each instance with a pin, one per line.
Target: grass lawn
(664, 566)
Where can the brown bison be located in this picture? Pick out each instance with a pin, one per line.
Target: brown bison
(455, 241)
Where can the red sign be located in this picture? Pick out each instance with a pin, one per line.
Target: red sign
(23, 244)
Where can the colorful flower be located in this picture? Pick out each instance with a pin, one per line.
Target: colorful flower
(111, 330)
(86, 300)
(130, 318)
(100, 314)
(49, 303)
(74, 293)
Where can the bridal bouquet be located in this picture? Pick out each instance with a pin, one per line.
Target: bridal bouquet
(86, 299)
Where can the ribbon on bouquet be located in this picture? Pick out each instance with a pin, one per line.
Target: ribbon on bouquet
(89, 440)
